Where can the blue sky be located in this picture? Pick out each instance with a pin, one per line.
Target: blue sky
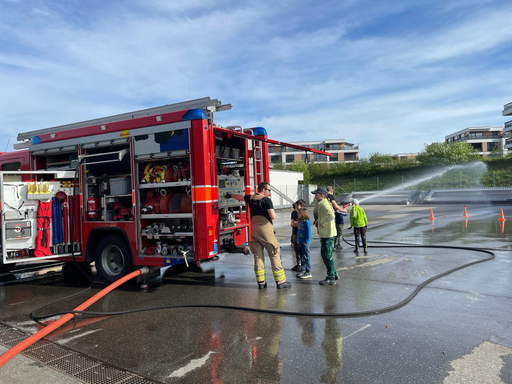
(389, 76)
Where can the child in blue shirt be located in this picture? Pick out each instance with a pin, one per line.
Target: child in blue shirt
(303, 240)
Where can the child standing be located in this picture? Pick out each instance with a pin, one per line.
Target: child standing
(303, 239)
(295, 229)
(359, 221)
(340, 222)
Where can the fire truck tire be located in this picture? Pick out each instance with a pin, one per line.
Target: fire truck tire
(113, 259)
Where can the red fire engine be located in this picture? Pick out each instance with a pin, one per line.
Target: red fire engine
(145, 188)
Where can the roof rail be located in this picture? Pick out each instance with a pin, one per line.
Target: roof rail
(206, 103)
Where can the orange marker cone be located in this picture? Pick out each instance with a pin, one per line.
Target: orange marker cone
(465, 214)
(502, 226)
(432, 215)
(502, 217)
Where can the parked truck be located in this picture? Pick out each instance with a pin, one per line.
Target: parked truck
(144, 188)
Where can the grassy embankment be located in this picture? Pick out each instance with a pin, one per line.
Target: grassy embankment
(367, 177)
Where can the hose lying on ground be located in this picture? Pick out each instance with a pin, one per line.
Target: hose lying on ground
(293, 313)
(67, 316)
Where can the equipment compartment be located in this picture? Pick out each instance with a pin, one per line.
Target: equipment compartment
(165, 200)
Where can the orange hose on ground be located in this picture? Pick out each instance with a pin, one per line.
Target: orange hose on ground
(45, 331)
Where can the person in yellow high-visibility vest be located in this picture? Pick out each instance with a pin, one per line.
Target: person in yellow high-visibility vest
(327, 232)
(359, 222)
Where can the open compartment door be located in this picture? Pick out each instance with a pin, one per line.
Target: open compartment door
(35, 216)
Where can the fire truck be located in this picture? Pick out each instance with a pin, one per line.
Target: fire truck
(144, 188)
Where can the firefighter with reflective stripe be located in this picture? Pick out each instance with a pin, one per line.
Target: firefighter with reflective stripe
(262, 236)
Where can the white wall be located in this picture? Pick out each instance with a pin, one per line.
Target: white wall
(287, 182)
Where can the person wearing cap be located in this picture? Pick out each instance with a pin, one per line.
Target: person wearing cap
(326, 232)
(358, 221)
(263, 237)
(339, 212)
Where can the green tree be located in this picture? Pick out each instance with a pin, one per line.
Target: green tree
(317, 170)
(380, 159)
(300, 166)
(444, 153)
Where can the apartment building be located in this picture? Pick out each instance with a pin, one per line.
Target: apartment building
(507, 130)
(342, 152)
(486, 140)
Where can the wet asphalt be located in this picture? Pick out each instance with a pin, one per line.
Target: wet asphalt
(456, 329)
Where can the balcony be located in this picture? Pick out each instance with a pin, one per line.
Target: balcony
(508, 125)
(507, 110)
(479, 136)
(289, 149)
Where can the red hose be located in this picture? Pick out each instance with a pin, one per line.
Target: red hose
(45, 331)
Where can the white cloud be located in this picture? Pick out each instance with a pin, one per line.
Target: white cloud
(304, 69)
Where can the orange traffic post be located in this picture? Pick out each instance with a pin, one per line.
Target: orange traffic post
(502, 226)
(465, 214)
(502, 217)
(432, 215)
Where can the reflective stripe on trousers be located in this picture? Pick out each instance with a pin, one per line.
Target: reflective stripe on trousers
(263, 237)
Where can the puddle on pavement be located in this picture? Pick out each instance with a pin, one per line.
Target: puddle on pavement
(370, 260)
(481, 231)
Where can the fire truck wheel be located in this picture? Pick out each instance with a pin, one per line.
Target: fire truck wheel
(113, 259)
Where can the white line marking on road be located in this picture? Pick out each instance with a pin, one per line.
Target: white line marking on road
(370, 263)
(359, 330)
(192, 365)
(482, 365)
(17, 303)
(65, 341)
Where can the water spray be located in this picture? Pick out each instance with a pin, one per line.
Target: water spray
(479, 166)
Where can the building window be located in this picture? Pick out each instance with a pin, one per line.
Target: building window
(350, 157)
(275, 159)
(290, 158)
(334, 157)
(318, 157)
(477, 146)
(493, 146)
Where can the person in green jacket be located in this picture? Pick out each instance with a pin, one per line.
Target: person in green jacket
(327, 232)
(358, 221)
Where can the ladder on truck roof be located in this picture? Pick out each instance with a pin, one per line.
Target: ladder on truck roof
(208, 104)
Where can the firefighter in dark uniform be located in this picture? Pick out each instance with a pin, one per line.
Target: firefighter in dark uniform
(262, 213)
